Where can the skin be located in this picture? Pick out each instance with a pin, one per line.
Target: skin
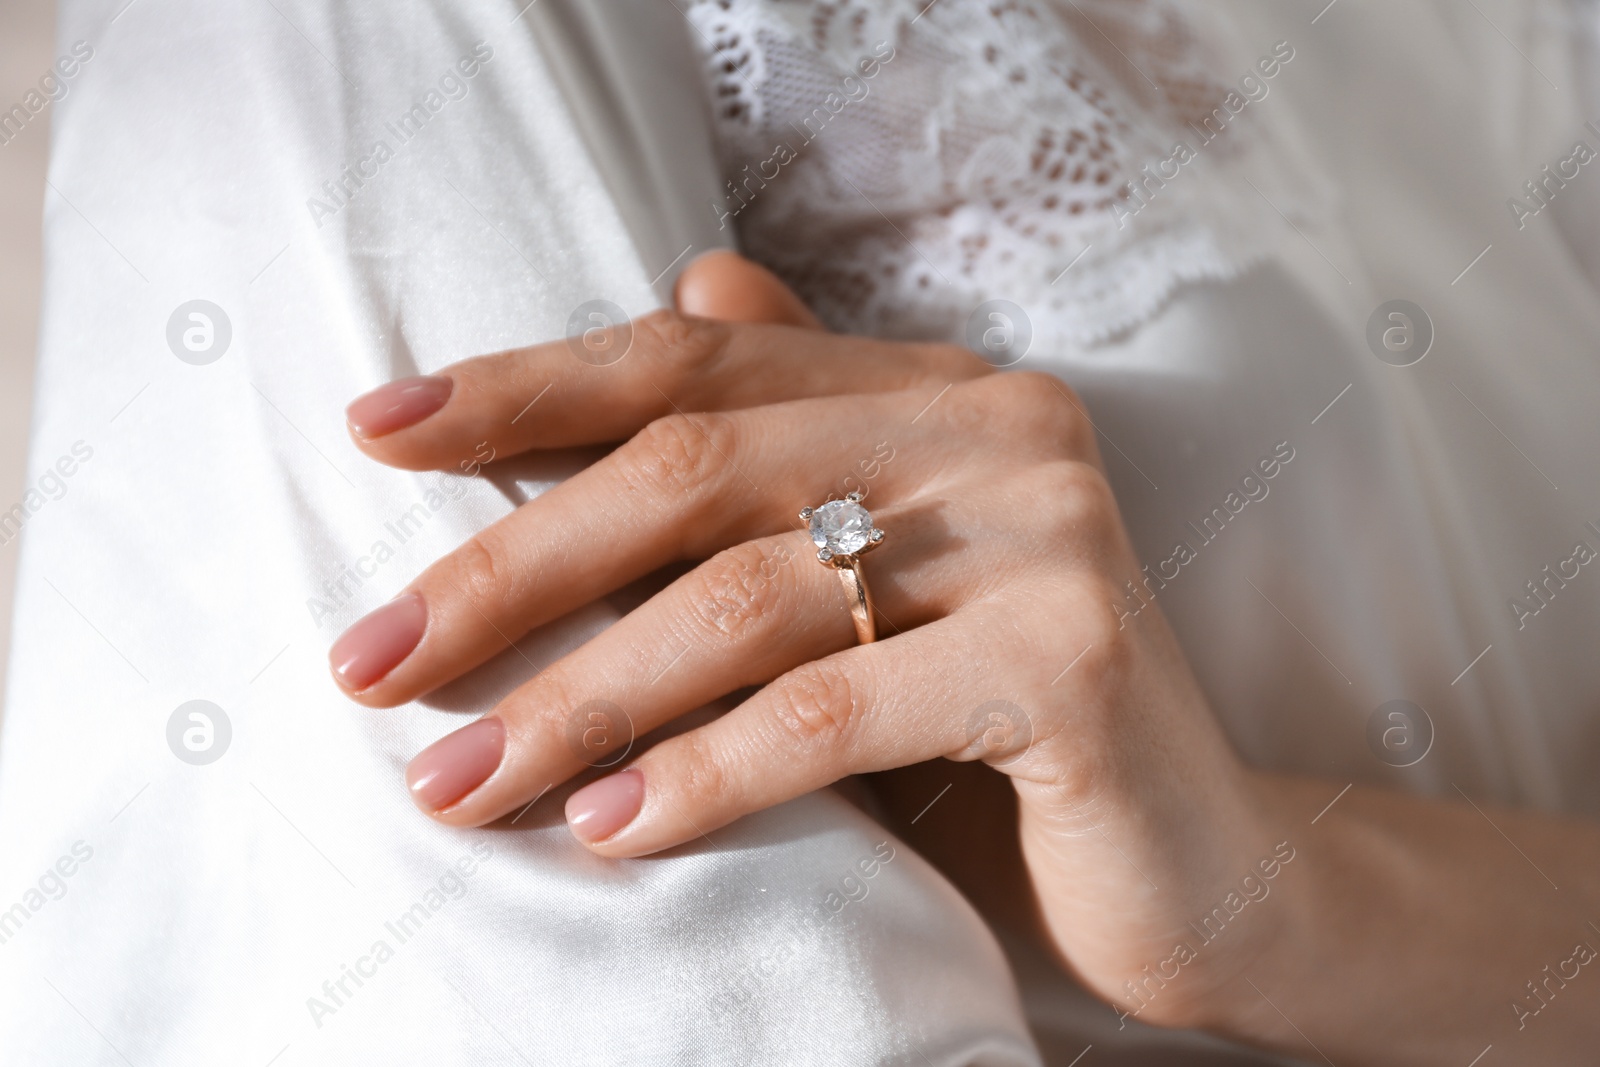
(1397, 930)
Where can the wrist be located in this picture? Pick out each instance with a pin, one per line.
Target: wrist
(1300, 924)
(1212, 887)
(1253, 925)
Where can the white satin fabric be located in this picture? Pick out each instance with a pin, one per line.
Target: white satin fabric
(285, 903)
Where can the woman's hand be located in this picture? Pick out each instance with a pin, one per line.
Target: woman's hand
(1001, 590)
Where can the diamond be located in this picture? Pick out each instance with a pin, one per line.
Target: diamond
(842, 527)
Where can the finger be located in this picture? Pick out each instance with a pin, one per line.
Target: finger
(742, 618)
(681, 490)
(687, 487)
(549, 396)
(929, 692)
(726, 286)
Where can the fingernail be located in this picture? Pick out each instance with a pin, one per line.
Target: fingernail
(456, 764)
(397, 405)
(601, 808)
(377, 644)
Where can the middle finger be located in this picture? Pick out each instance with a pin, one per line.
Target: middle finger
(684, 488)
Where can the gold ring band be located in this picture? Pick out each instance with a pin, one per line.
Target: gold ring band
(860, 597)
(842, 530)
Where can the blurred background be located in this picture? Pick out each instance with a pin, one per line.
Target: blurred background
(26, 30)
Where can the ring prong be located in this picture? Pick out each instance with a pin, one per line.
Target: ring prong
(824, 555)
(854, 498)
(805, 513)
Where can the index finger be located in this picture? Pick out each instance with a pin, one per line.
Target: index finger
(609, 383)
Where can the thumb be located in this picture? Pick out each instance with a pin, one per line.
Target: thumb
(725, 285)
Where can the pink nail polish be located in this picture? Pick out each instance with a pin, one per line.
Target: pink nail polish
(378, 643)
(601, 808)
(397, 405)
(456, 764)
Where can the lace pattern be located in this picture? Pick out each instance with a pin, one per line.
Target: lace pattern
(900, 163)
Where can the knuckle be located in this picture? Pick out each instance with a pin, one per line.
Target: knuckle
(1099, 616)
(551, 701)
(681, 452)
(1088, 654)
(483, 571)
(562, 710)
(1043, 407)
(702, 783)
(1074, 499)
(1102, 623)
(686, 345)
(1037, 388)
(954, 361)
(737, 591)
(819, 706)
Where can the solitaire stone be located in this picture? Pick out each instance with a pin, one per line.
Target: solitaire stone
(842, 527)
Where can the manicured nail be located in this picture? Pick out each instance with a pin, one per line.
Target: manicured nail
(376, 644)
(601, 808)
(456, 764)
(397, 405)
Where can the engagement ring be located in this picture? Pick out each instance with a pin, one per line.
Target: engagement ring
(842, 531)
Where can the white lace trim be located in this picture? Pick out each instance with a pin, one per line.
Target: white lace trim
(899, 164)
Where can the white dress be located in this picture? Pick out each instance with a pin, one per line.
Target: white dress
(357, 195)
(1204, 212)
(1223, 315)
(221, 529)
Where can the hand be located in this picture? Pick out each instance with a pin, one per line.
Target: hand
(1000, 590)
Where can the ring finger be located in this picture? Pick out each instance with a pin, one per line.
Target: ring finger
(744, 617)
